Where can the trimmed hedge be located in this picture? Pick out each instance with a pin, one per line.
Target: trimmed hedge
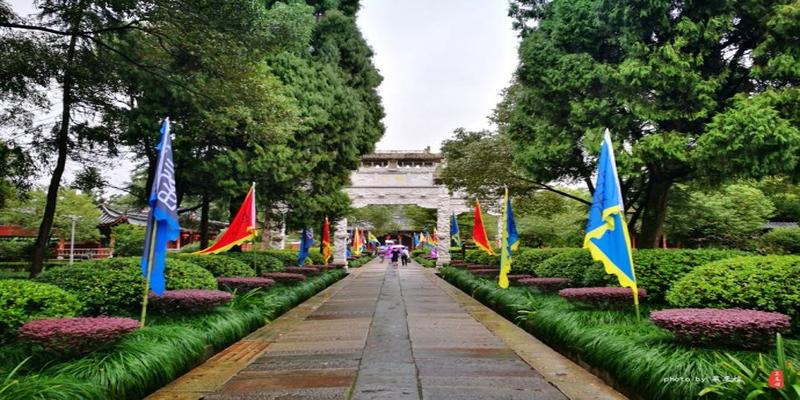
(243, 285)
(189, 300)
(528, 259)
(22, 301)
(115, 285)
(481, 257)
(782, 241)
(577, 266)
(220, 265)
(259, 261)
(728, 326)
(76, 336)
(358, 262)
(658, 269)
(767, 283)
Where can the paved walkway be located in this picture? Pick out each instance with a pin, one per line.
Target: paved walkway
(388, 333)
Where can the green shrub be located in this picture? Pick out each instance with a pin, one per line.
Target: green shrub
(115, 285)
(128, 240)
(316, 257)
(658, 269)
(768, 283)
(15, 249)
(22, 301)
(220, 265)
(782, 241)
(528, 259)
(259, 261)
(577, 266)
(481, 257)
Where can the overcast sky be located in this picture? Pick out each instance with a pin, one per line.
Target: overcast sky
(444, 63)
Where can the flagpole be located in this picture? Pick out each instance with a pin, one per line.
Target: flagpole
(150, 260)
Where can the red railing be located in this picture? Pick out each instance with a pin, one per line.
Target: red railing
(84, 254)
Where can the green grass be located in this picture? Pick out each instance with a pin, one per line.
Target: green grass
(638, 355)
(149, 358)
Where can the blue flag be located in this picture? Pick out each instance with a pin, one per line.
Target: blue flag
(510, 242)
(416, 240)
(162, 223)
(607, 231)
(306, 241)
(455, 233)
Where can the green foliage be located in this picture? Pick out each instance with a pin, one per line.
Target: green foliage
(103, 291)
(22, 301)
(128, 240)
(115, 285)
(425, 262)
(259, 261)
(657, 270)
(784, 195)
(733, 216)
(27, 213)
(287, 257)
(750, 381)
(16, 168)
(577, 266)
(357, 263)
(636, 354)
(782, 241)
(768, 283)
(529, 259)
(220, 265)
(381, 218)
(481, 257)
(15, 249)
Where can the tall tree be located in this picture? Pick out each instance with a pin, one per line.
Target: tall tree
(689, 90)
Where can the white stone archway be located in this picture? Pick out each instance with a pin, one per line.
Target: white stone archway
(401, 178)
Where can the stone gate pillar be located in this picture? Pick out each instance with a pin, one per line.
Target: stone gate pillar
(443, 228)
(340, 243)
(277, 233)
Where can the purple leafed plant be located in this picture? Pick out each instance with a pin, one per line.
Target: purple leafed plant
(516, 277)
(485, 272)
(732, 327)
(325, 267)
(614, 296)
(284, 276)
(545, 284)
(302, 270)
(76, 335)
(242, 285)
(189, 300)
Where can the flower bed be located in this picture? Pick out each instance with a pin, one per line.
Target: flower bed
(728, 327)
(284, 276)
(545, 284)
(244, 284)
(302, 270)
(76, 335)
(325, 267)
(189, 300)
(601, 295)
(481, 266)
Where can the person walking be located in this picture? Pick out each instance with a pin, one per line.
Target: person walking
(395, 255)
(404, 256)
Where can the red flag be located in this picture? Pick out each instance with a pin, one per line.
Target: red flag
(326, 241)
(241, 229)
(479, 232)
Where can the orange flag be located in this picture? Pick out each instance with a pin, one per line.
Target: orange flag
(241, 229)
(326, 241)
(479, 232)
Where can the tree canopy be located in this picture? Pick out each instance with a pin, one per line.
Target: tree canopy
(690, 91)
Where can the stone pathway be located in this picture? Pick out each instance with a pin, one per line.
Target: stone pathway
(389, 333)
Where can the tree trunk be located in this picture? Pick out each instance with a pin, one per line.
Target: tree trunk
(204, 209)
(655, 212)
(62, 143)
